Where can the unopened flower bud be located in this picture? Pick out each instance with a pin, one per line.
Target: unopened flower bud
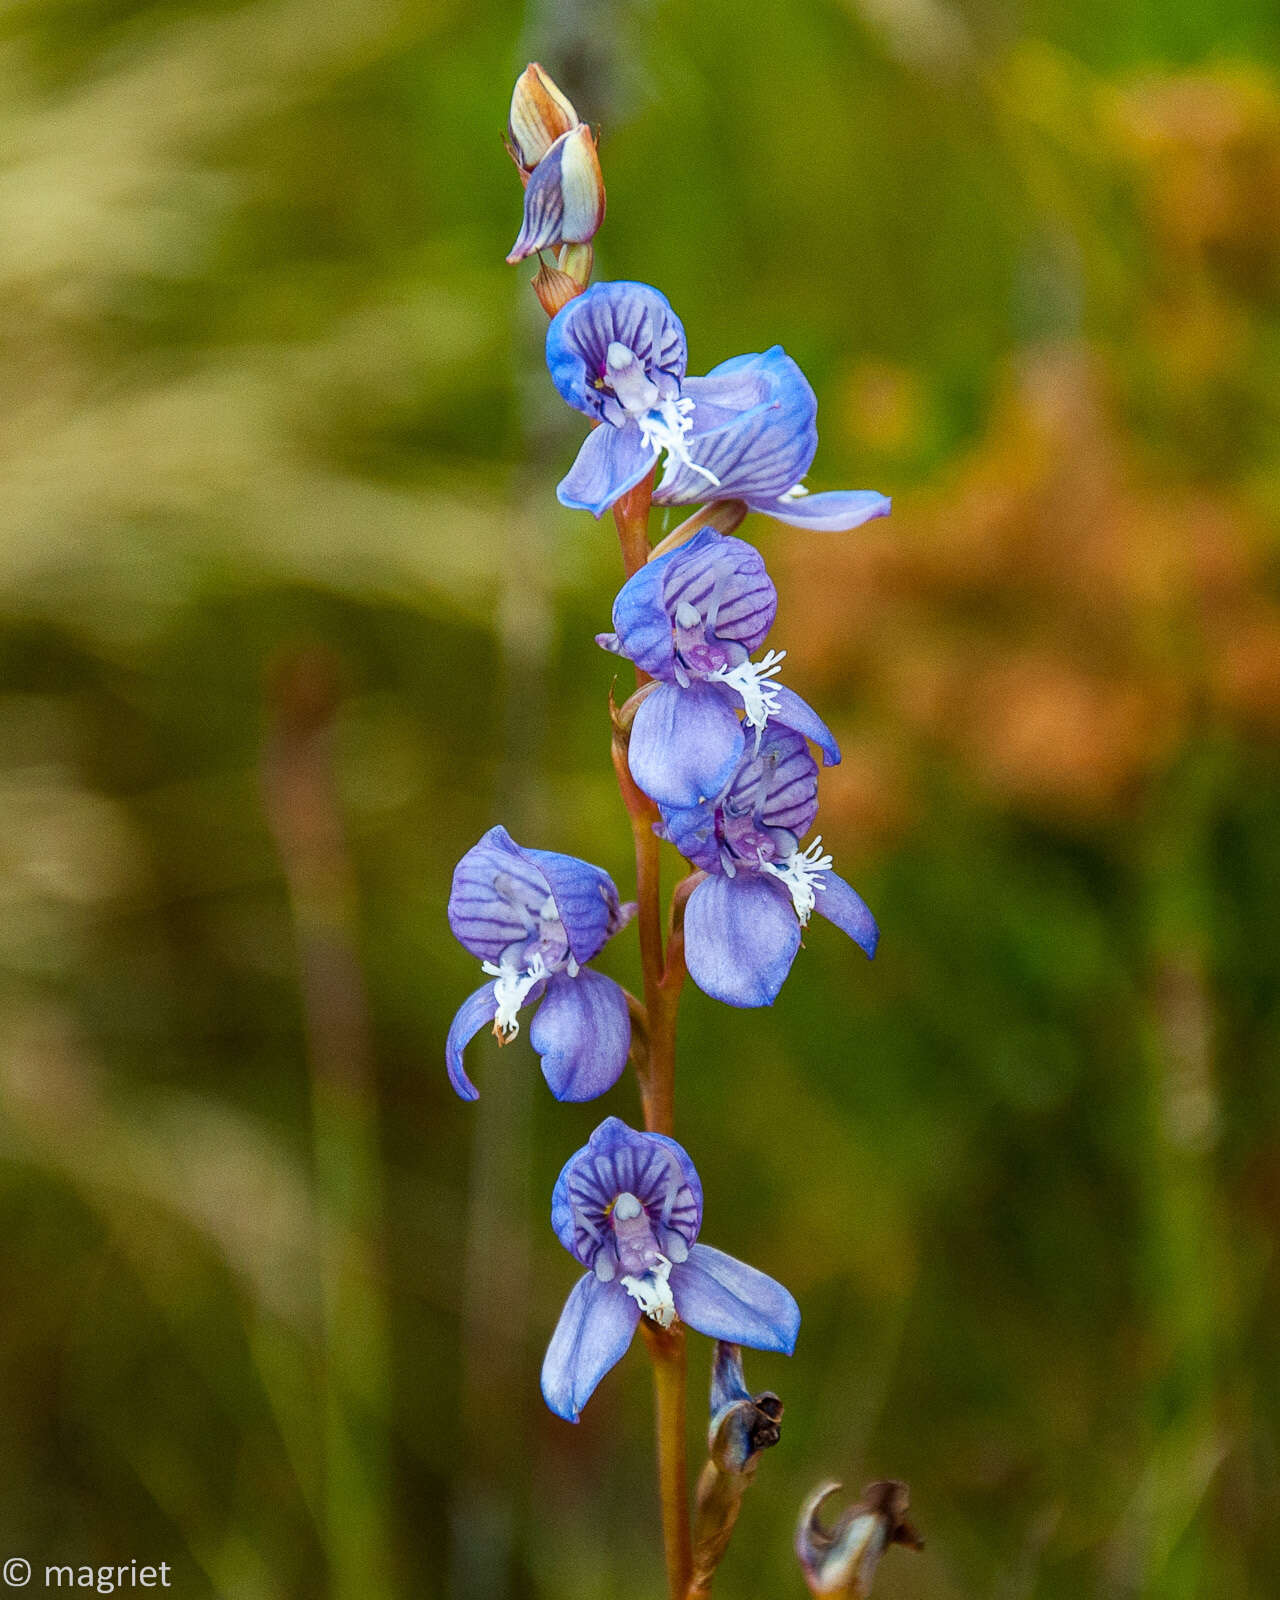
(842, 1560)
(554, 288)
(742, 1424)
(540, 113)
(564, 199)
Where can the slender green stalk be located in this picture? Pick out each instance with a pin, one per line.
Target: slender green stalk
(1188, 1262)
(302, 803)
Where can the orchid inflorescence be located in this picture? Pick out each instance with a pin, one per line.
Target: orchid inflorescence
(716, 757)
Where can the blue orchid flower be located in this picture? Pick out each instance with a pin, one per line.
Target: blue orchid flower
(535, 918)
(743, 922)
(691, 619)
(746, 431)
(628, 1206)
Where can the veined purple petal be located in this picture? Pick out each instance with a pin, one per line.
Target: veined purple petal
(495, 895)
(612, 460)
(832, 511)
(586, 900)
(726, 1299)
(475, 1012)
(505, 896)
(582, 1031)
(592, 1335)
(692, 829)
(725, 581)
(756, 450)
(775, 790)
(722, 578)
(543, 209)
(794, 712)
(642, 624)
(743, 383)
(685, 743)
(779, 782)
(630, 314)
(564, 198)
(621, 1160)
(740, 938)
(843, 905)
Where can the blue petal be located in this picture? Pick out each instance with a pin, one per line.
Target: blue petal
(611, 461)
(582, 1031)
(642, 626)
(595, 1328)
(790, 775)
(483, 921)
(586, 900)
(740, 938)
(487, 922)
(616, 1159)
(794, 712)
(475, 1012)
(543, 205)
(723, 578)
(843, 905)
(830, 512)
(631, 314)
(740, 384)
(725, 581)
(775, 787)
(692, 829)
(685, 743)
(726, 1299)
(728, 1381)
(753, 428)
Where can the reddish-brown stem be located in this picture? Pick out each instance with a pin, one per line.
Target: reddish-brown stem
(666, 1351)
(662, 983)
(644, 814)
(663, 978)
(659, 1105)
(631, 513)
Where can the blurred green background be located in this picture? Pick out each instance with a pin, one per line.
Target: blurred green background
(290, 615)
